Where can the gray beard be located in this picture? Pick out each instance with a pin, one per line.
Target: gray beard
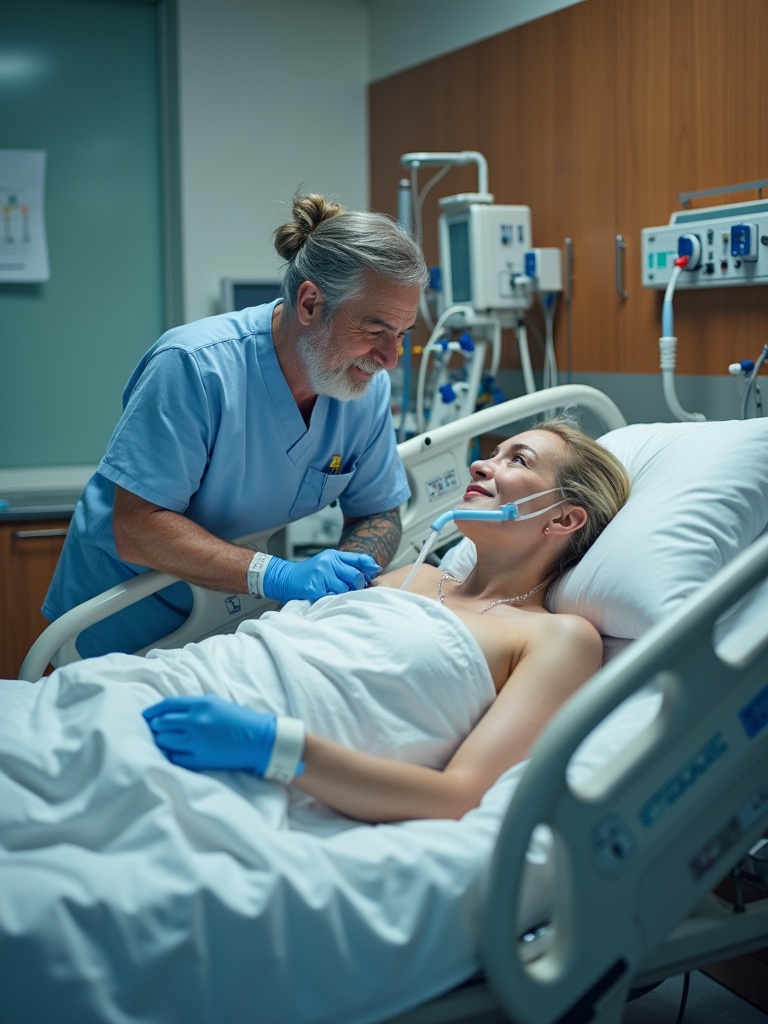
(316, 348)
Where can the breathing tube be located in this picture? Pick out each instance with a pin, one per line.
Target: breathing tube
(504, 514)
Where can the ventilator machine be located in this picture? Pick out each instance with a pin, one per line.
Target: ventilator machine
(489, 276)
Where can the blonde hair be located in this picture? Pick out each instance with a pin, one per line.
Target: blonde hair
(334, 248)
(589, 476)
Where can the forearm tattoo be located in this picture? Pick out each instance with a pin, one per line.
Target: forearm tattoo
(377, 536)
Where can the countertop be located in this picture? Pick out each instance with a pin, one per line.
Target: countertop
(45, 492)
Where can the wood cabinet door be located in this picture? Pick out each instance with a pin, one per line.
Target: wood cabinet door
(28, 556)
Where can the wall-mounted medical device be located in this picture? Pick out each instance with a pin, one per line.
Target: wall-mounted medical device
(712, 247)
(482, 249)
(726, 245)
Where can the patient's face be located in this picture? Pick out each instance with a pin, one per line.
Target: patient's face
(523, 465)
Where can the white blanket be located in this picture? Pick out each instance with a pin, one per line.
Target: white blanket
(136, 891)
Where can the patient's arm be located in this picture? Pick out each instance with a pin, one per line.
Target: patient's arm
(551, 656)
(558, 654)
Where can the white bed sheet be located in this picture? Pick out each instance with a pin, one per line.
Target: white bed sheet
(137, 891)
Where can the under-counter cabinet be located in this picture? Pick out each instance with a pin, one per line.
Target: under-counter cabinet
(29, 551)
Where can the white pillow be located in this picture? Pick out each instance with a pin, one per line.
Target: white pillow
(699, 497)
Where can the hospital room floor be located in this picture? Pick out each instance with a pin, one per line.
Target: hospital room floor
(709, 1002)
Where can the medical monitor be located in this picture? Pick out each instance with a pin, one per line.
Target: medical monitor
(482, 252)
(240, 292)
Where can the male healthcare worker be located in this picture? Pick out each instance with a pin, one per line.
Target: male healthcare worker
(250, 420)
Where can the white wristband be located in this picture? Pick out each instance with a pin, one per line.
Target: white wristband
(285, 760)
(255, 573)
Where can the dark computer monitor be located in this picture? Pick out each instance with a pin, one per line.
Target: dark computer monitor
(239, 292)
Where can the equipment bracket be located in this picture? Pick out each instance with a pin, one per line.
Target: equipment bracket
(686, 197)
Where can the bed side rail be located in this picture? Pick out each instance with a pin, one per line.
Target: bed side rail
(437, 461)
(643, 844)
(212, 612)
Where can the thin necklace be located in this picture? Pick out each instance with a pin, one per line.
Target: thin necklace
(501, 600)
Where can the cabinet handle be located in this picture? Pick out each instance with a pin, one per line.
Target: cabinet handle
(39, 534)
(621, 245)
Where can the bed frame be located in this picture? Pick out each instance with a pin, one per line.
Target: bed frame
(639, 851)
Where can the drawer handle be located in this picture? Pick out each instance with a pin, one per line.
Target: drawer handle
(621, 245)
(39, 534)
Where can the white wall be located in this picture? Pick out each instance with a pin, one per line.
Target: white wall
(272, 97)
(404, 33)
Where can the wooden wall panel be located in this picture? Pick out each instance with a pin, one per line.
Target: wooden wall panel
(553, 80)
(538, 103)
(425, 108)
(597, 117)
(692, 93)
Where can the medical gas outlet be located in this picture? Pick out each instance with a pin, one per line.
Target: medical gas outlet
(725, 245)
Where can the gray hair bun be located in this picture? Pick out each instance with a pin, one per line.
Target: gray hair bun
(308, 212)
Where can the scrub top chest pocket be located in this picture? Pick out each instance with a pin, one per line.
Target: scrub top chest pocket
(319, 488)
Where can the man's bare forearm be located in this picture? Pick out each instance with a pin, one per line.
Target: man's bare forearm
(377, 536)
(147, 534)
(161, 539)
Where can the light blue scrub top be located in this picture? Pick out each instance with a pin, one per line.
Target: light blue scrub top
(210, 429)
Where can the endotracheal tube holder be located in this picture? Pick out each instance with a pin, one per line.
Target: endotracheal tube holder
(507, 512)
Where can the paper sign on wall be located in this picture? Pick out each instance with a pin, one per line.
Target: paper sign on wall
(23, 245)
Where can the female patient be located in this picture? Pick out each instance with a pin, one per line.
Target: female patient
(535, 659)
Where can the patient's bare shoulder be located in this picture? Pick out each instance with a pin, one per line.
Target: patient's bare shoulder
(560, 633)
(510, 636)
(571, 629)
(565, 645)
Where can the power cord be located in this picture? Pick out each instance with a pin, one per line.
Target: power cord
(684, 997)
(752, 385)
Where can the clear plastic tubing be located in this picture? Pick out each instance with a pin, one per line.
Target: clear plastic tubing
(422, 555)
(497, 515)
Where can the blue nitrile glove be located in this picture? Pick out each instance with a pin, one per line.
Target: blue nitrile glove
(329, 572)
(208, 732)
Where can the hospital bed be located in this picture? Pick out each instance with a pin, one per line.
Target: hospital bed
(436, 464)
(589, 872)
